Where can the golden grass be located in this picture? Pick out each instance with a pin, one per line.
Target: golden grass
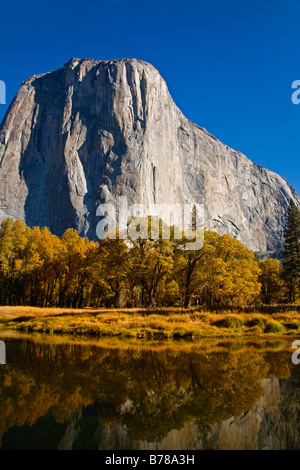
(149, 324)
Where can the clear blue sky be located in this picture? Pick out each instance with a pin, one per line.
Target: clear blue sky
(229, 65)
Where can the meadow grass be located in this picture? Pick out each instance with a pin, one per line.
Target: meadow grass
(170, 323)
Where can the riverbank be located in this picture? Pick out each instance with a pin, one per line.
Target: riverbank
(150, 324)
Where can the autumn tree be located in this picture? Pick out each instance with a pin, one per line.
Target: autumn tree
(230, 275)
(186, 262)
(110, 280)
(273, 288)
(149, 259)
(12, 243)
(80, 257)
(35, 267)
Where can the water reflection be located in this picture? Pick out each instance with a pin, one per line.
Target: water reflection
(56, 394)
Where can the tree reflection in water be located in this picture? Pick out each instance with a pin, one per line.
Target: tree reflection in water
(60, 394)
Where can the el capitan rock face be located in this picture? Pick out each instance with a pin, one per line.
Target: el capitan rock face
(94, 130)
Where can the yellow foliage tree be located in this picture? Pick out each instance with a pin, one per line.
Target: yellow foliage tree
(274, 289)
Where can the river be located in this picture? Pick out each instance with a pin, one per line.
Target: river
(59, 392)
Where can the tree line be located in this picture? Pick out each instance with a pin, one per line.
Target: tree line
(39, 268)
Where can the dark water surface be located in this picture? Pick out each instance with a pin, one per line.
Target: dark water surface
(60, 393)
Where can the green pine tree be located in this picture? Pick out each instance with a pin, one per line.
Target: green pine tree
(291, 251)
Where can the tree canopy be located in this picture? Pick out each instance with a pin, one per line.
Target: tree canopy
(39, 268)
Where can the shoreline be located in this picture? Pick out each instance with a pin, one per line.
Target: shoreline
(145, 324)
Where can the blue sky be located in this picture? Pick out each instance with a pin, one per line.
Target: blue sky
(229, 65)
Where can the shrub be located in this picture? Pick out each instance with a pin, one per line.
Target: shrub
(257, 321)
(278, 345)
(274, 327)
(255, 330)
(293, 325)
(230, 322)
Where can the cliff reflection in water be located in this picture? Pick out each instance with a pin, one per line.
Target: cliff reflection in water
(91, 396)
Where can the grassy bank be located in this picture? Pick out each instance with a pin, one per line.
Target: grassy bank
(150, 324)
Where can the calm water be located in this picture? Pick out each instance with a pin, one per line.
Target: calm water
(62, 394)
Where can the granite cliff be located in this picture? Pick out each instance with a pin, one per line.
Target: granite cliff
(94, 130)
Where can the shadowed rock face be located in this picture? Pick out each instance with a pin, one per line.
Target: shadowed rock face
(94, 130)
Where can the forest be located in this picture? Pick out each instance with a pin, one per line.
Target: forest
(38, 268)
